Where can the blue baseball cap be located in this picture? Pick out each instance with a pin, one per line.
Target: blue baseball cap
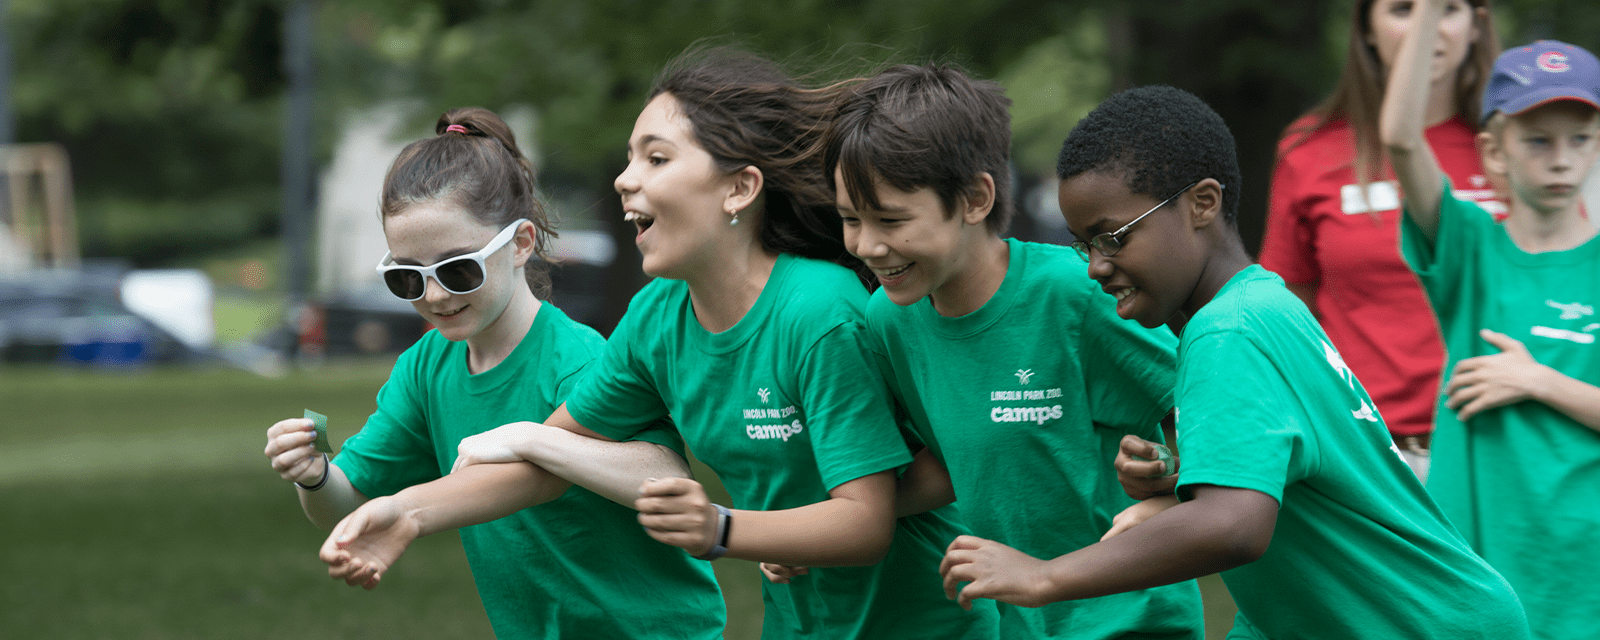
(1544, 71)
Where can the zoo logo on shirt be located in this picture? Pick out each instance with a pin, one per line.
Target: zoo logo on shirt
(1037, 413)
(1569, 311)
(1366, 412)
(772, 431)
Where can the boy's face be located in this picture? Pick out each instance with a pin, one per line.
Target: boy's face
(912, 244)
(1156, 269)
(1545, 153)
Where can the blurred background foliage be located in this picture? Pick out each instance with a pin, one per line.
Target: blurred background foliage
(172, 109)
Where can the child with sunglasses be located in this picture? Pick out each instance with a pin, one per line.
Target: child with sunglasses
(466, 232)
(751, 338)
(1290, 486)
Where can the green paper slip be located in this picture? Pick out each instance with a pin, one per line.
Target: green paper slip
(1165, 455)
(321, 422)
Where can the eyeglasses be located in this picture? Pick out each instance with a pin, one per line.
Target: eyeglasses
(458, 275)
(1108, 244)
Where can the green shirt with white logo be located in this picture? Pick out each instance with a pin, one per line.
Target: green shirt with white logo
(577, 567)
(1359, 551)
(785, 406)
(1025, 401)
(1521, 482)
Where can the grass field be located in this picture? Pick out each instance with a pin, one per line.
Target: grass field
(139, 505)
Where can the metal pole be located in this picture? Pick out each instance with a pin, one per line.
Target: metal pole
(297, 140)
(8, 133)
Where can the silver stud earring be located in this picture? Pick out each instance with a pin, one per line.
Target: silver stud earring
(735, 221)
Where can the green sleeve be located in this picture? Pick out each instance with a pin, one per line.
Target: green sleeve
(618, 397)
(394, 450)
(850, 413)
(1236, 423)
(662, 431)
(1128, 369)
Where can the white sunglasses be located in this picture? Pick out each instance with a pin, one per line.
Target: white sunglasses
(458, 275)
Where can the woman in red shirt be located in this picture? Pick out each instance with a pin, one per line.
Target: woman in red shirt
(1333, 220)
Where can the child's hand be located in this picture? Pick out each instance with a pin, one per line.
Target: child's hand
(1144, 510)
(994, 571)
(497, 445)
(781, 573)
(1485, 382)
(368, 541)
(676, 511)
(290, 449)
(1142, 478)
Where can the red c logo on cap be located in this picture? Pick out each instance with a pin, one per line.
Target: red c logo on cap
(1553, 61)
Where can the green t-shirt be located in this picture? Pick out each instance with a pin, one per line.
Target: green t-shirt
(576, 567)
(1266, 403)
(1025, 401)
(1522, 481)
(784, 406)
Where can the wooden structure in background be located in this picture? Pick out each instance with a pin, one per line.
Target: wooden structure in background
(39, 212)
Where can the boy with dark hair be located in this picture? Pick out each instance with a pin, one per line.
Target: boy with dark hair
(1516, 454)
(1291, 486)
(1005, 355)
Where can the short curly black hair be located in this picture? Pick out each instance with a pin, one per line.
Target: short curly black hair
(1160, 139)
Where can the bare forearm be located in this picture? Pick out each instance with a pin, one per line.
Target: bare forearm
(479, 494)
(834, 533)
(330, 503)
(612, 469)
(1575, 398)
(924, 487)
(1401, 121)
(1184, 542)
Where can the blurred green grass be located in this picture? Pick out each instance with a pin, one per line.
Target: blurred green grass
(138, 505)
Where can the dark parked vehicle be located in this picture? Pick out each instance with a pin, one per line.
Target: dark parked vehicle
(78, 317)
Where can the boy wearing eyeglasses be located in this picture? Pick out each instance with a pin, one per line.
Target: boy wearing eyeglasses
(1291, 486)
(1014, 371)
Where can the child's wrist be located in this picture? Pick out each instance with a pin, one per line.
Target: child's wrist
(1545, 383)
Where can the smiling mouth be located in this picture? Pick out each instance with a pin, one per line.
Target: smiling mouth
(451, 314)
(639, 220)
(892, 274)
(1123, 295)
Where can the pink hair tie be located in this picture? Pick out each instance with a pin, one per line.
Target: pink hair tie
(455, 128)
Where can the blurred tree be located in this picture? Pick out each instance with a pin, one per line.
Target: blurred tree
(168, 109)
(171, 108)
(1259, 63)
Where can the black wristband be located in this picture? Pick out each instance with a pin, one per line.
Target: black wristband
(720, 545)
(326, 467)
